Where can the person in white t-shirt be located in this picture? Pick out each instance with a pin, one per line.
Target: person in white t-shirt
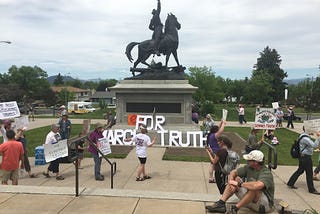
(142, 141)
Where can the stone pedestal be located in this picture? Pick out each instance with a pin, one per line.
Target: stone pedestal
(169, 98)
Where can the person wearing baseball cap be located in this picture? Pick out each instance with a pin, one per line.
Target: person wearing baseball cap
(256, 192)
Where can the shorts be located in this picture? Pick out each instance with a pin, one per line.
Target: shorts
(12, 175)
(143, 160)
(263, 200)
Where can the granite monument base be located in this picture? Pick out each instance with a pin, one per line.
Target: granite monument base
(169, 98)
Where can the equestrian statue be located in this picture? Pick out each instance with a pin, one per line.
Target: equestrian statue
(161, 43)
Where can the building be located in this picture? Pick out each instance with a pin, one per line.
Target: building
(79, 94)
(106, 97)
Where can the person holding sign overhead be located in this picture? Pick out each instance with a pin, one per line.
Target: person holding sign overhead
(53, 137)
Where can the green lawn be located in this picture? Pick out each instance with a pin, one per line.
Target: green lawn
(36, 137)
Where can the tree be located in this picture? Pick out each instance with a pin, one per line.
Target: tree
(209, 88)
(31, 80)
(103, 84)
(269, 64)
(58, 81)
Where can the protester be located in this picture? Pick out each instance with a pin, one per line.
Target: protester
(208, 122)
(252, 142)
(94, 138)
(12, 154)
(240, 110)
(256, 192)
(6, 126)
(25, 164)
(212, 143)
(195, 117)
(53, 137)
(65, 127)
(290, 117)
(218, 160)
(306, 146)
(279, 116)
(80, 150)
(110, 120)
(142, 141)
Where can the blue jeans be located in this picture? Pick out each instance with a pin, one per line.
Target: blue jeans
(97, 166)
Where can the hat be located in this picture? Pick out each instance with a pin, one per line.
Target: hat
(208, 116)
(275, 140)
(55, 126)
(63, 106)
(142, 126)
(254, 155)
(6, 122)
(290, 107)
(98, 125)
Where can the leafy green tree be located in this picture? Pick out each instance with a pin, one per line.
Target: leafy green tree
(11, 92)
(210, 88)
(90, 85)
(103, 84)
(58, 81)
(76, 83)
(269, 64)
(31, 80)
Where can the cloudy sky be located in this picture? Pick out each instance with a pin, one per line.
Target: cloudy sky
(86, 39)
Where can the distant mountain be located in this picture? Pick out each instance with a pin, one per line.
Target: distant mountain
(68, 78)
(294, 81)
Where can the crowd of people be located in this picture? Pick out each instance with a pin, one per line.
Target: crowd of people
(252, 183)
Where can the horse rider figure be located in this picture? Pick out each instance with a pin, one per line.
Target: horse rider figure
(156, 26)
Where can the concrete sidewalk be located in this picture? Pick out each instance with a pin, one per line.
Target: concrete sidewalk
(175, 187)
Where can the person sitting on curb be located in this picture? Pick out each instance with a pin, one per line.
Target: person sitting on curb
(256, 193)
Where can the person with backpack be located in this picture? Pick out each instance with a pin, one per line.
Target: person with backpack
(218, 160)
(306, 146)
(256, 192)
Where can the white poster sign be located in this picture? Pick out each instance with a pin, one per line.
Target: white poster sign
(9, 110)
(265, 119)
(224, 114)
(275, 105)
(21, 122)
(55, 151)
(311, 126)
(104, 146)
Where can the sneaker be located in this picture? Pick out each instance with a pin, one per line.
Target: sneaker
(262, 209)
(216, 208)
(315, 178)
(100, 178)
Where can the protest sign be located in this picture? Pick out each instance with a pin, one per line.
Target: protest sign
(265, 119)
(275, 105)
(21, 122)
(55, 151)
(224, 114)
(9, 110)
(104, 146)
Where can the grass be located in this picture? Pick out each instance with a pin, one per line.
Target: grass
(36, 137)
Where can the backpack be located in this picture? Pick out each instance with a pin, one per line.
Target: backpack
(232, 162)
(295, 148)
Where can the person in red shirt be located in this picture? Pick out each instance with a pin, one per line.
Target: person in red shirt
(12, 153)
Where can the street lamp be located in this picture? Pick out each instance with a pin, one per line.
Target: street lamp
(8, 42)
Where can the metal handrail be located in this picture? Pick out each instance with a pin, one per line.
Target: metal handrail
(272, 153)
(73, 144)
(113, 165)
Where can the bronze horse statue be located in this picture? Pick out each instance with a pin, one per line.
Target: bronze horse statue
(168, 44)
